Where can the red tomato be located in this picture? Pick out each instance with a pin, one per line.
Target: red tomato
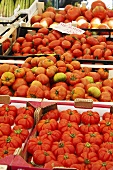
(93, 137)
(10, 110)
(25, 120)
(5, 129)
(88, 128)
(28, 37)
(106, 125)
(26, 110)
(38, 143)
(5, 151)
(52, 114)
(20, 40)
(100, 165)
(105, 154)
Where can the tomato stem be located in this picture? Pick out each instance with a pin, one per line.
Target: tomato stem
(5, 151)
(72, 135)
(104, 164)
(69, 125)
(87, 144)
(108, 123)
(66, 156)
(61, 145)
(86, 161)
(18, 131)
(8, 140)
(39, 142)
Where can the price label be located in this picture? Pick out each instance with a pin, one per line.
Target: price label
(110, 74)
(68, 28)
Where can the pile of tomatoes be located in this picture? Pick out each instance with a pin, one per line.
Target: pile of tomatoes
(84, 46)
(73, 140)
(15, 125)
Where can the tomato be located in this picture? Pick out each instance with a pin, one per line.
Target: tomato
(50, 124)
(54, 43)
(90, 117)
(52, 114)
(20, 132)
(20, 40)
(61, 147)
(16, 48)
(35, 92)
(8, 78)
(26, 110)
(65, 125)
(22, 91)
(100, 165)
(87, 158)
(28, 37)
(7, 119)
(9, 141)
(77, 92)
(19, 72)
(51, 164)
(67, 159)
(4, 90)
(38, 143)
(106, 125)
(107, 115)
(25, 50)
(66, 44)
(5, 129)
(6, 109)
(44, 79)
(45, 156)
(88, 128)
(108, 136)
(37, 41)
(18, 82)
(92, 41)
(58, 93)
(99, 12)
(98, 53)
(105, 154)
(33, 51)
(72, 136)
(27, 44)
(108, 145)
(5, 151)
(25, 120)
(71, 115)
(73, 13)
(50, 135)
(103, 73)
(93, 137)
(45, 41)
(98, 3)
(86, 147)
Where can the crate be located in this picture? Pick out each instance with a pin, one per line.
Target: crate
(100, 108)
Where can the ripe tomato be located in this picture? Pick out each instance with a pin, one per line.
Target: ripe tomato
(52, 114)
(108, 136)
(5, 90)
(25, 120)
(93, 137)
(16, 48)
(26, 110)
(108, 145)
(50, 124)
(28, 37)
(5, 151)
(106, 125)
(90, 117)
(105, 154)
(71, 115)
(38, 143)
(58, 93)
(100, 165)
(87, 158)
(19, 72)
(45, 156)
(72, 136)
(65, 125)
(88, 128)
(51, 164)
(66, 44)
(107, 115)
(20, 132)
(7, 119)
(86, 147)
(61, 147)
(8, 110)
(20, 40)
(5, 129)
(50, 135)
(67, 159)
(9, 141)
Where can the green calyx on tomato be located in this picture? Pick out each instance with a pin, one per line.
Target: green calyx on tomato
(57, 92)
(92, 135)
(8, 140)
(18, 131)
(104, 164)
(26, 116)
(40, 142)
(89, 125)
(5, 151)
(110, 152)
(49, 133)
(47, 121)
(90, 113)
(86, 161)
(111, 134)
(72, 135)
(87, 144)
(7, 109)
(61, 145)
(73, 77)
(69, 125)
(108, 123)
(33, 96)
(66, 156)
(70, 113)
(46, 154)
